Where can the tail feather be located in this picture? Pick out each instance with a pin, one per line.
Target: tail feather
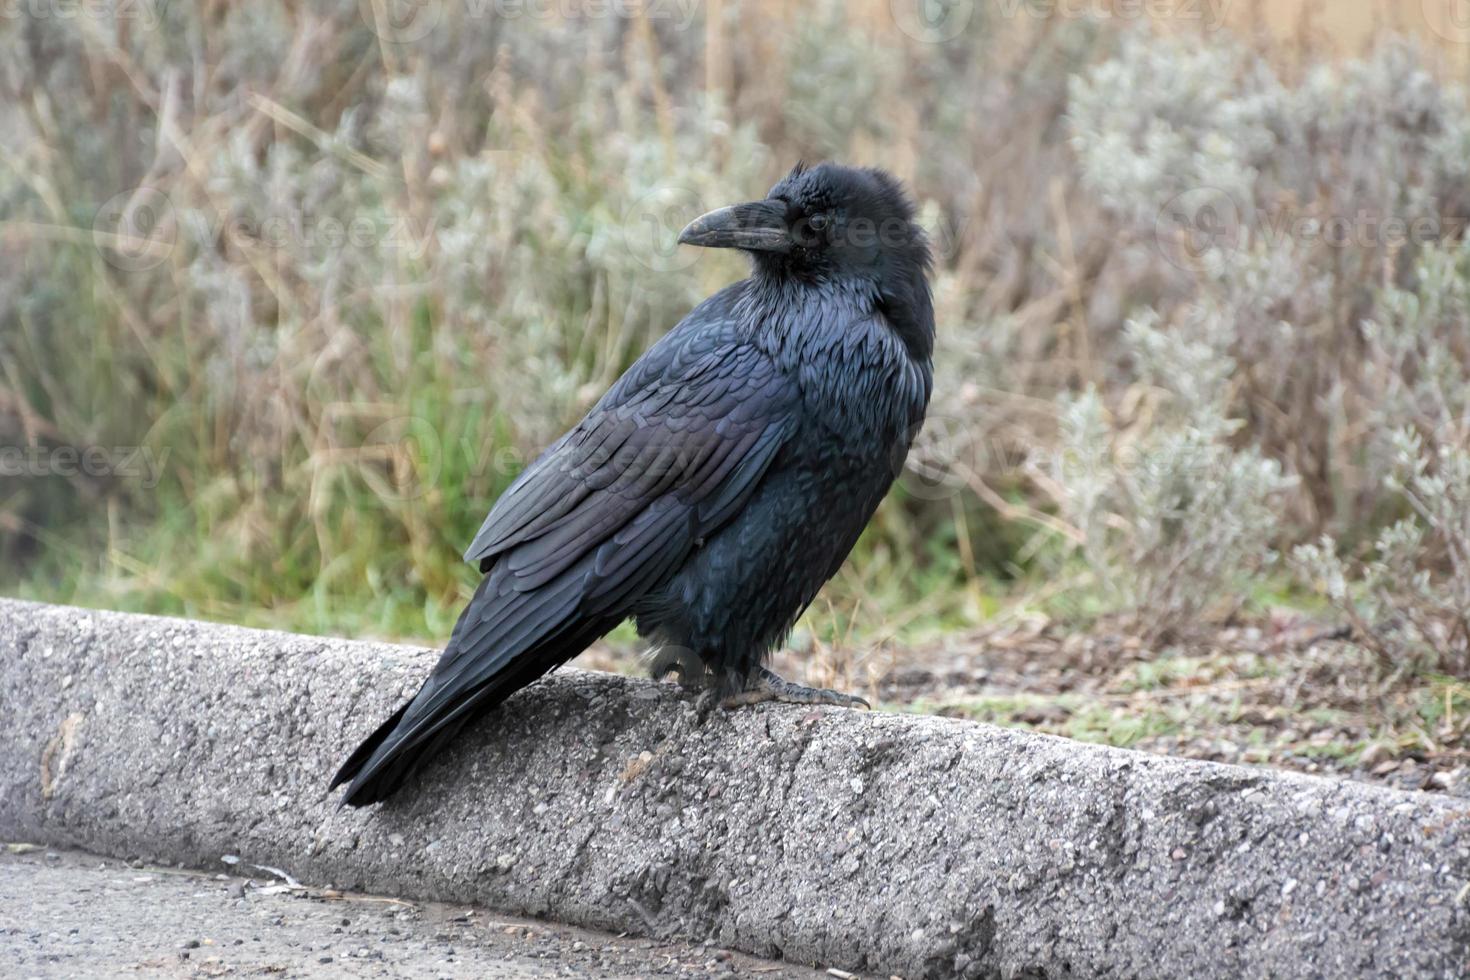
(375, 781)
(509, 635)
(363, 752)
(405, 742)
(410, 738)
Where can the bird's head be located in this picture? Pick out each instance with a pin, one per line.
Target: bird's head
(831, 223)
(823, 222)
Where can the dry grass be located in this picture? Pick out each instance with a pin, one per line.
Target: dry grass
(334, 411)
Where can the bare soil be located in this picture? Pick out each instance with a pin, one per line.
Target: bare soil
(1287, 690)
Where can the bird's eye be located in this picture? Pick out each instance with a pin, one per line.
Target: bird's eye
(817, 222)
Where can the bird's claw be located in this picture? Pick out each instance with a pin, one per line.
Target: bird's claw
(767, 685)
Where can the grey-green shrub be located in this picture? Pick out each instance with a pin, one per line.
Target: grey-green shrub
(1409, 600)
(1171, 518)
(338, 414)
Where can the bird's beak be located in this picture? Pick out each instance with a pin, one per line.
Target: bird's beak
(759, 226)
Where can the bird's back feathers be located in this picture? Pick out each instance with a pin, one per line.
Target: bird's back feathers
(593, 526)
(718, 483)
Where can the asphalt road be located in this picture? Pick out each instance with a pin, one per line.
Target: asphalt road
(66, 914)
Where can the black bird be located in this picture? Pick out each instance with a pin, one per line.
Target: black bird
(718, 484)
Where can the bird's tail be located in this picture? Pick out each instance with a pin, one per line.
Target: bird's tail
(479, 669)
(383, 762)
(360, 756)
(412, 736)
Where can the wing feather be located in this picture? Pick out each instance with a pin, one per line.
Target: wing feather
(594, 526)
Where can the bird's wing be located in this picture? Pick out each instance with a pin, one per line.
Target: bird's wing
(669, 455)
(604, 515)
(696, 421)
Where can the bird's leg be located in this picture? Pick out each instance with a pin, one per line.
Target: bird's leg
(767, 685)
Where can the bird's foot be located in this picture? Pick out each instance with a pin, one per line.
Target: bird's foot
(767, 685)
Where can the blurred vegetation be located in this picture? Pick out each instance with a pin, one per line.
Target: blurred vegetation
(1201, 299)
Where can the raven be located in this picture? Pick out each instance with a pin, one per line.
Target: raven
(717, 485)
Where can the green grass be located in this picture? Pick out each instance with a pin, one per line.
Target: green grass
(1076, 716)
(338, 418)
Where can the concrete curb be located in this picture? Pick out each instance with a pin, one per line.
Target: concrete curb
(875, 842)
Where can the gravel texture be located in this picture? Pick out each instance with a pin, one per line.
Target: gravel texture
(879, 843)
(69, 914)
